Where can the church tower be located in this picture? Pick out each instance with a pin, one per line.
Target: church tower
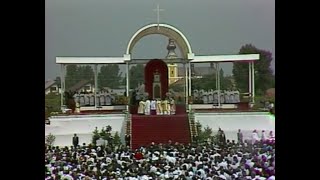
(172, 67)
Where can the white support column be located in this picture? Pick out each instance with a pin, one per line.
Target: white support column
(189, 75)
(62, 81)
(250, 81)
(186, 82)
(216, 76)
(127, 85)
(95, 85)
(218, 83)
(253, 88)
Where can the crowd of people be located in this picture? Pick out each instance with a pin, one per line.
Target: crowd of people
(228, 160)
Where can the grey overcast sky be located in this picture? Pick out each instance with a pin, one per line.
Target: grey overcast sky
(104, 27)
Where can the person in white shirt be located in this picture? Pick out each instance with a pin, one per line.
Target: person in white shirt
(255, 137)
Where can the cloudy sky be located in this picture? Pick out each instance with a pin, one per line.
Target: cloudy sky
(104, 27)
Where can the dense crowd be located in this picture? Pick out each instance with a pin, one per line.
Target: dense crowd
(229, 161)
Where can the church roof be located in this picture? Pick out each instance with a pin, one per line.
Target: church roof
(79, 85)
(49, 83)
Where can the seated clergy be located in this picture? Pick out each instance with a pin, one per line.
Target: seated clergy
(86, 99)
(159, 109)
(102, 99)
(205, 98)
(227, 97)
(231, 98)
(82, 100)
(141, 107)
(91, 99)
(215, 97)
(222, 98)
(108, 100)
(210, 98)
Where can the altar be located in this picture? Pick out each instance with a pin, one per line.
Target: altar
(156, 79)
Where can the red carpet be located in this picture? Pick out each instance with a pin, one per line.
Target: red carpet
(159, 129)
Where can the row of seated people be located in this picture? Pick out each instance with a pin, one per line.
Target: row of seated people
(157, 107)
(211, 97)
(88, 99)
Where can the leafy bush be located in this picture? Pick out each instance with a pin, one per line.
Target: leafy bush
(105, 134)
(50, 139)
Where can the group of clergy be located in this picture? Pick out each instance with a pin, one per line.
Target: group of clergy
(103, 99)
(157, 107)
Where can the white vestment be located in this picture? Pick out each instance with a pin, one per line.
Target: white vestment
(153, 105)
(141, 107)
(147, 108)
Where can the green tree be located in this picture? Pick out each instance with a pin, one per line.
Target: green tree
(96, 136)
(263, 72)
(109, 76)
(77, 73)
(53, 103)
(204, 134)
(136, 75)
(71, 75)
(50, 139)
(207, 82)
(85, 73)
(117, 139)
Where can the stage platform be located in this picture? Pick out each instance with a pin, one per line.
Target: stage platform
(63, 127)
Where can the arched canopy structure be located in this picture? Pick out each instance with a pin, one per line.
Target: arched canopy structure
(166, 30)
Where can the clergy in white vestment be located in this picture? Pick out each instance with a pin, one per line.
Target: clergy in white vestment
(86, 99)
(141, 107)
(159, 107)
(108, 100)
(153, 108)
(164, 104)
(91, 99)
(172, 106)
(205, 99)
(147, 107)
(215, 97)
(210, 98)
(102, 100)
(227, 97)
(82, 100)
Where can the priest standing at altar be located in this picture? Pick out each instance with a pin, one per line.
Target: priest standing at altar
(158, 107)
(153, 107)
(147, 107)
(141, 107)
(172, 106)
